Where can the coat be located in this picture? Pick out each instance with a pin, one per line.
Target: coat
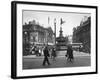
(53, 53)
(70, 53)
(46, 53)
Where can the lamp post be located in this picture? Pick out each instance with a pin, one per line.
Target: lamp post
(25, 33)
(25, 37)
(55, 30)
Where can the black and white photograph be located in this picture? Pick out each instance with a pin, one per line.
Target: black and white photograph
(53, 39)
(56, 39)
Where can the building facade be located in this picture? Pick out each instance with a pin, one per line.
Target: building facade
(36, 35)
(82, 34)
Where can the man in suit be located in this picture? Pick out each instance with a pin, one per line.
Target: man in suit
(46, 55)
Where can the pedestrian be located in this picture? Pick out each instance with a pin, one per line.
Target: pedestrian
(50, 52)
(40, 51)
(70, 54)
(54, 54)
(46, 55)
(32, 50)
(37, 51)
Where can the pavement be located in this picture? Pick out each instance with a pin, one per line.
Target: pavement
(80, 60)
(75, 54)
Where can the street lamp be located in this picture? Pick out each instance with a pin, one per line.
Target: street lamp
(55, 30)
(25, 37)
(25, 32)
(25, 45)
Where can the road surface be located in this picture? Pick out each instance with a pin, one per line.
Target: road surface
(80, 60)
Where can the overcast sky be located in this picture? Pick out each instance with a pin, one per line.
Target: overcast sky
(71, 19)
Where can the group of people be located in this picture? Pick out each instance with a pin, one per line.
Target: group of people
(69, 55)
(48, 53)
(35, 50)
(51, 52)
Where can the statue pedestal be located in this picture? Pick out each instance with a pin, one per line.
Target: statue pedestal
(61, 45)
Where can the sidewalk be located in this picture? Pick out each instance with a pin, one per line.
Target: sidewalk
(75, 53)
(32, 56)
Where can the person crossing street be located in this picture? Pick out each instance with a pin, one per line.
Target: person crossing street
(46, 55)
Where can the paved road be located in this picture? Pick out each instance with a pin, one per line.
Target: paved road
(80, 60)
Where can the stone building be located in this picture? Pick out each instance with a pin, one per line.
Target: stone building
(82, 34)
(35, 34)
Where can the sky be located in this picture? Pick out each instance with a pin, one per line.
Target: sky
(71, 20)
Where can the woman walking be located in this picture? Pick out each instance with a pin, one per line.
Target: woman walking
(54, 54)
(70, 54)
